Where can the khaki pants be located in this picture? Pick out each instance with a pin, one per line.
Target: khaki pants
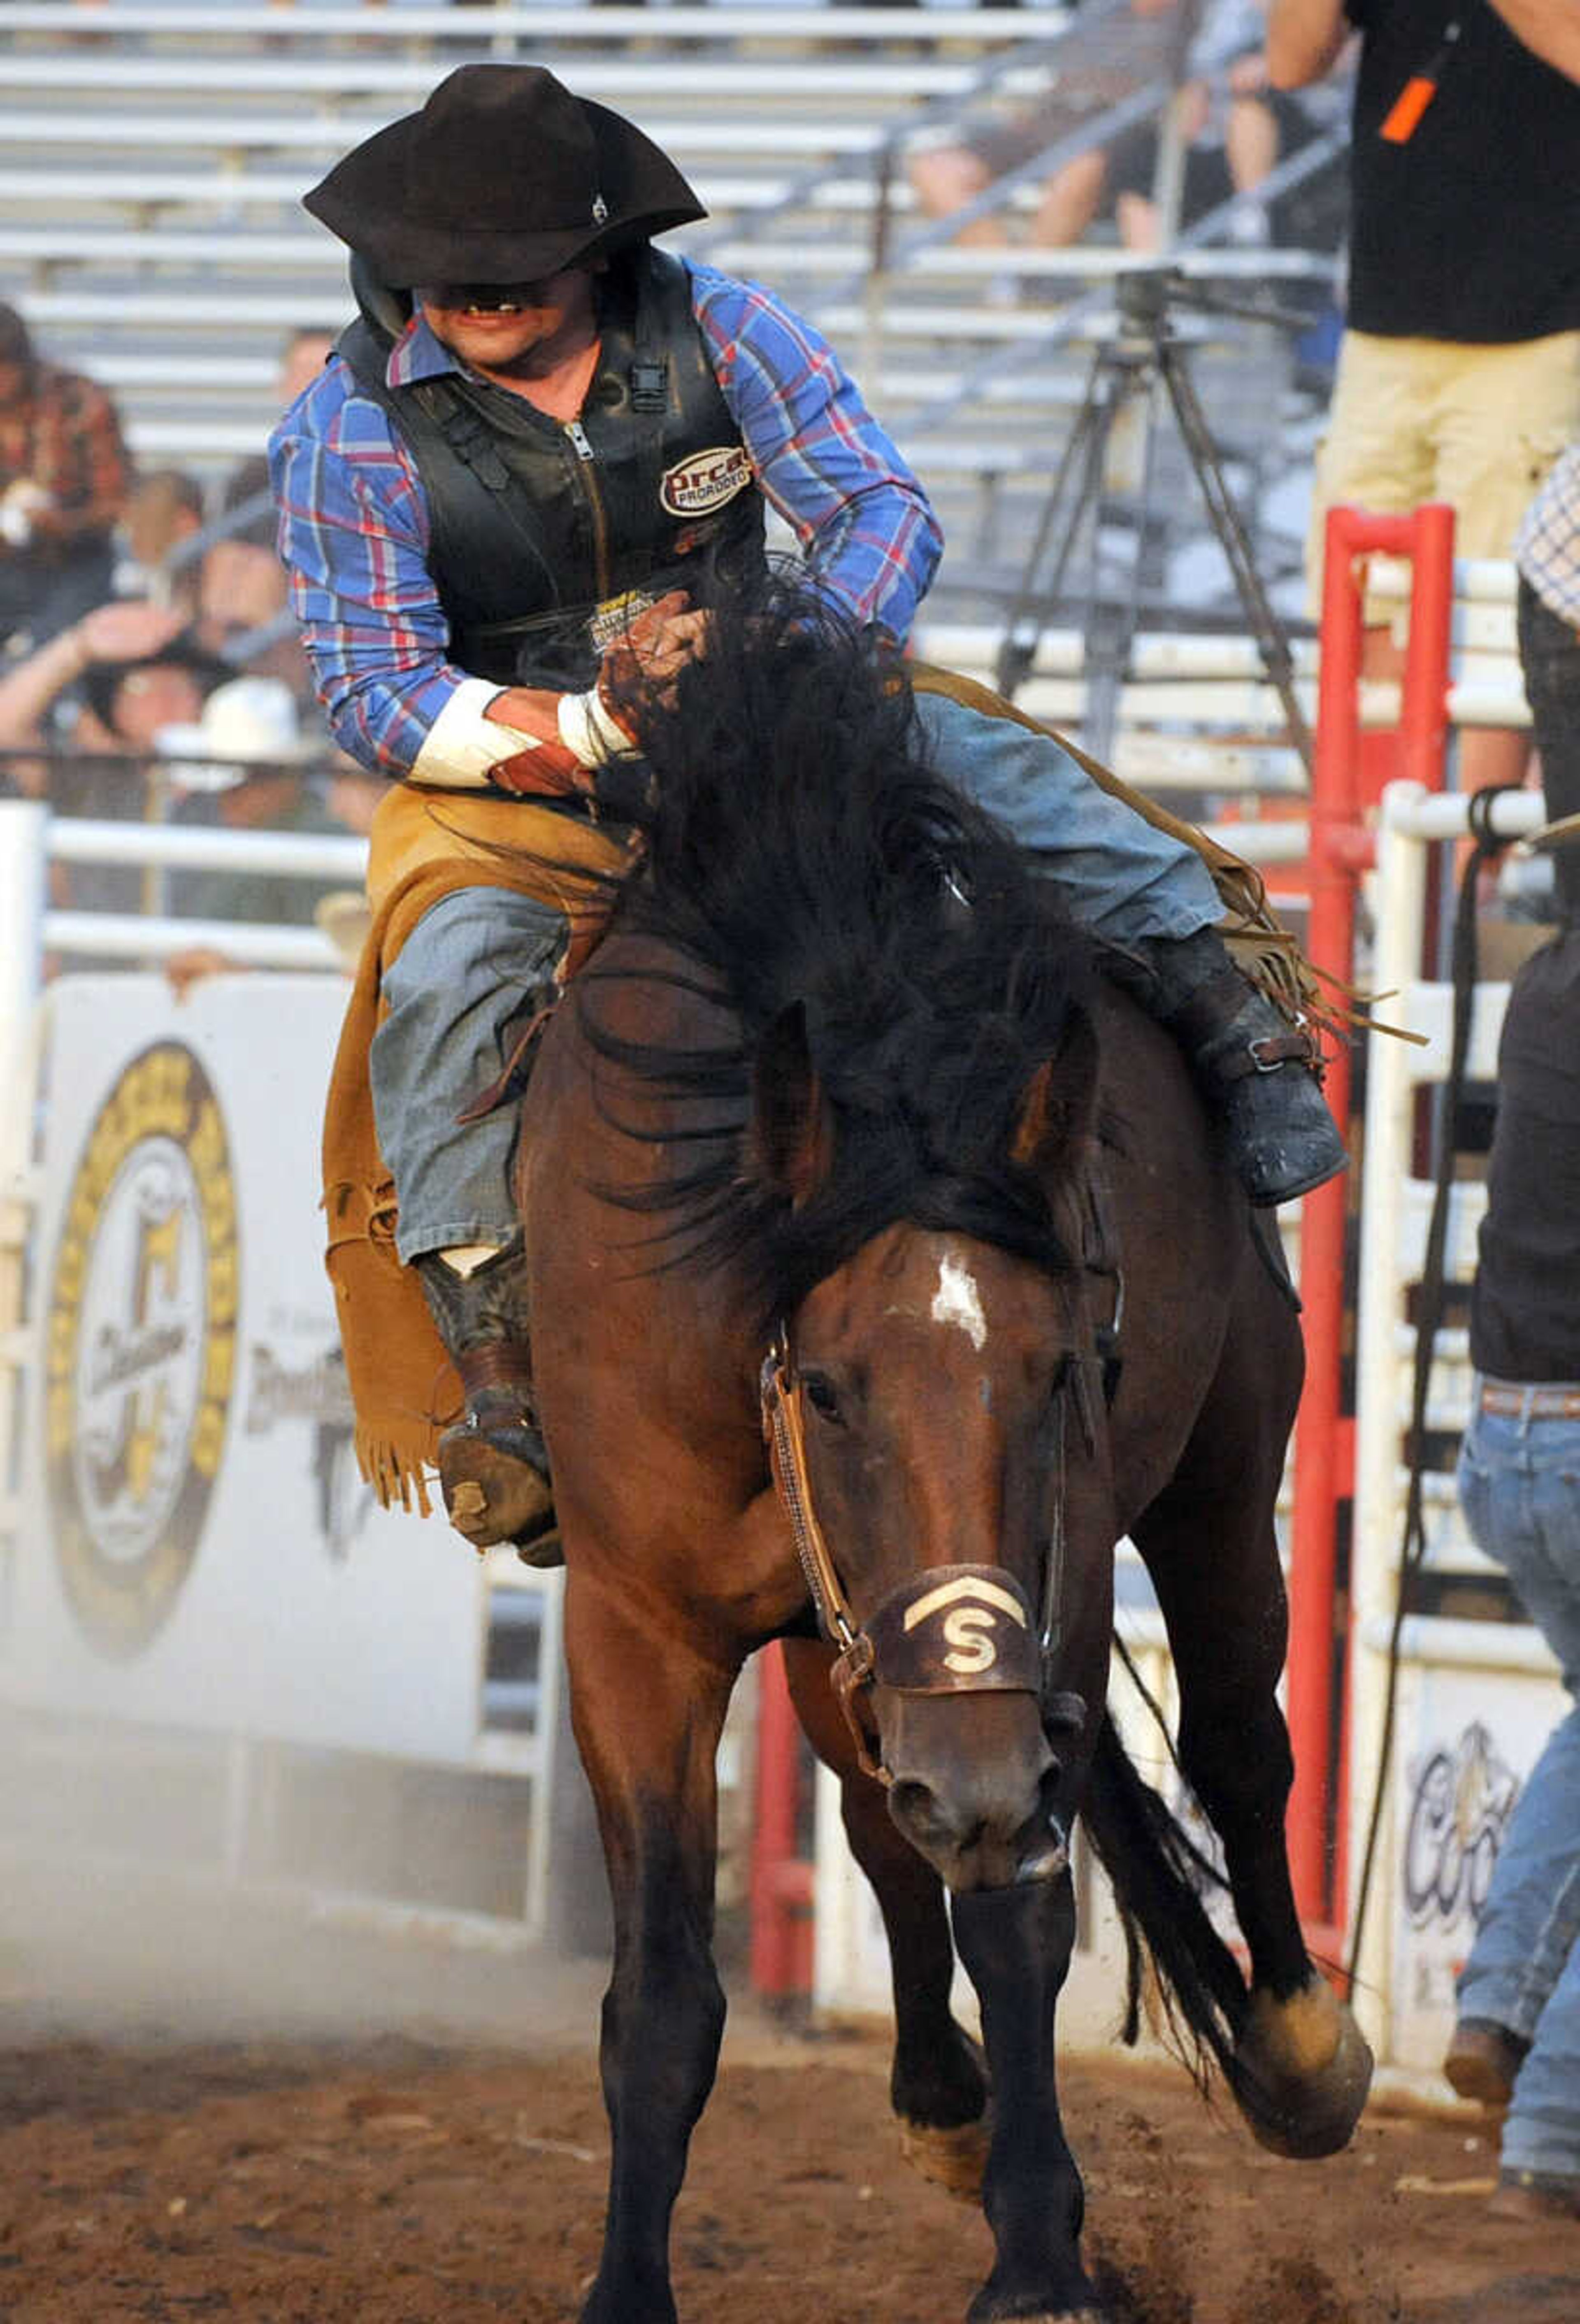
(1424, 420)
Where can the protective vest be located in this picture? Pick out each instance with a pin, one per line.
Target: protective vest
(540, 526)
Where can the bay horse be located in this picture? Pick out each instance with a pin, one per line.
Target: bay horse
(837, 1152)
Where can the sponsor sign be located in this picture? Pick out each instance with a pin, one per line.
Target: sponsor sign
(196, 1547)
(1467, 1740)
(141, 1346)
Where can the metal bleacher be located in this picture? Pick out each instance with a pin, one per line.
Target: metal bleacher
(154, 153)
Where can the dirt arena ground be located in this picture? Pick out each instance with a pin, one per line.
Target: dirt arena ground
(392, 2180)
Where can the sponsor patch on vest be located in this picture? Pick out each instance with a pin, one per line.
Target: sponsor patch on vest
(706, 481)
(607, 623)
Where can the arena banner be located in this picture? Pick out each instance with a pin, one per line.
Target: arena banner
(1468, 1739)
(196, 1549)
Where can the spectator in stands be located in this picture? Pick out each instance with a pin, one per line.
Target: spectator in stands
(301, 359)
(1546, 550)
(544, 440)
(93, 699)
(64, 479)
(163, 509)
(241, 765)
(1235, 128)
(102, 688)
(1459, 370)
(1517, 2041)
(230, 591)
(241, 590)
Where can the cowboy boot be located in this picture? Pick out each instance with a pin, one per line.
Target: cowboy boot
(1256, 1067)
(493, 1465)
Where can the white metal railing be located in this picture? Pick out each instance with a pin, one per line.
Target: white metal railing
(30, 838)
(541, 19)
(696, 80)
(1394, 1206)
(279, 854)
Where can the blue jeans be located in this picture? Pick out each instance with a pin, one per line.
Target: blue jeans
(1520, 1486)
(462, 972)
(1115, 874)
(480, 958)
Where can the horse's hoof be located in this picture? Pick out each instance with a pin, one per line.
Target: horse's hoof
(953, 2158)
(1303, 2069)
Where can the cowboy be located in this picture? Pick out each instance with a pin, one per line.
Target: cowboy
(544, 441)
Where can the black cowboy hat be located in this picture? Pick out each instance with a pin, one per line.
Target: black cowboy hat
(503, 177)
(102, 681)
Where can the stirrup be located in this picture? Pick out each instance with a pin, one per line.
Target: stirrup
(493, 1473)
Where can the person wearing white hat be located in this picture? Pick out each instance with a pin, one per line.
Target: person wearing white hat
(241, 764)
(247, 722)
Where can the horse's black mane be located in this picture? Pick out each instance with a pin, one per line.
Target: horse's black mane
(811, 869)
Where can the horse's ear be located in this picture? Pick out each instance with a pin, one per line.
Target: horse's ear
(1057, 1109)
(792, 1129)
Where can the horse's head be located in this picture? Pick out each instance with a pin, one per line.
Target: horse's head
(926, 1404)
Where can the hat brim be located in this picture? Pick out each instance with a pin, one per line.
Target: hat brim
(344, 916)
(1563, 833)
(364, 200)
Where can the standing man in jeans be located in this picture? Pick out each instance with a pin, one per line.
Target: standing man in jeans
(1518, 2037)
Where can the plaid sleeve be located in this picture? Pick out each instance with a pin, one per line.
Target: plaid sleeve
(1547, 547)
(865, 525)
(353, 536)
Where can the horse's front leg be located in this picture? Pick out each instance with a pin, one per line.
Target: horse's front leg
(1017, 1944)
(938, 2087)
(648, 1714)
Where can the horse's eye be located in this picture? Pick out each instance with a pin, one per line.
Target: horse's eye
(820, 1393)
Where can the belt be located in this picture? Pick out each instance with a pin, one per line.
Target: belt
(1530, 1403)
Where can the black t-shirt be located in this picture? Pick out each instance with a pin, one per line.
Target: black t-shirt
(1525, 1311)
(1469, 230)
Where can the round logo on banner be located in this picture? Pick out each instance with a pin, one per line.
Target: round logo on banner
(141, 1346)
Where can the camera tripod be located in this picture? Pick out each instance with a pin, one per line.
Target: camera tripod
(1145, 354)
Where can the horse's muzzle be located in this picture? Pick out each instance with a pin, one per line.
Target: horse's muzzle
(974, 1786)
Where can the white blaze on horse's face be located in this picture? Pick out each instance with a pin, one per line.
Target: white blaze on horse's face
(958, 1301)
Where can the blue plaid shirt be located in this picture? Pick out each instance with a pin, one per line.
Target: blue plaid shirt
(354, 527)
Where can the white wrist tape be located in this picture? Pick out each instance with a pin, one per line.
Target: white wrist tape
(462, 746)
(590, 730)
(15, 526)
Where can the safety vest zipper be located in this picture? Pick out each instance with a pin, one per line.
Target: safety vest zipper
(587, 460)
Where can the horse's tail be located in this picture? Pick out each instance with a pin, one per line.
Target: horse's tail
(1158, 1875)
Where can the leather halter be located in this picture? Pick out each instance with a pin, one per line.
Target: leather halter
(949, 1629)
